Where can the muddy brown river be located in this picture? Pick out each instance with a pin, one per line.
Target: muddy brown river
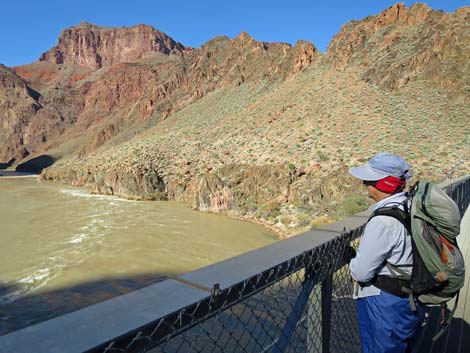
(63, 248)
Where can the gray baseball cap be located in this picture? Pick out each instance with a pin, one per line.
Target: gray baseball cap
(381, 166)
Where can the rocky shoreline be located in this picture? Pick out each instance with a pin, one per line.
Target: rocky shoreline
(282, 198)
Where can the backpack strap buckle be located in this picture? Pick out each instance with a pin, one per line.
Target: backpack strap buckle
(411, 298)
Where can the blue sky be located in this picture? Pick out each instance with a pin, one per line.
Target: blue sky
(30, 27)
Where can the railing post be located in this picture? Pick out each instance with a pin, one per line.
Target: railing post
(319, 317)
(326, 294)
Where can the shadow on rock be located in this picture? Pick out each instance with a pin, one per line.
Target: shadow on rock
(7, 164)
(36, 164)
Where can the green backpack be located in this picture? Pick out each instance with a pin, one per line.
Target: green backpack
(438, 265)
(435, 224)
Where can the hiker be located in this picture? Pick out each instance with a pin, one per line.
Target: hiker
(387, 322)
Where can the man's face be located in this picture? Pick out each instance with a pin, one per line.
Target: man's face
(372, 191)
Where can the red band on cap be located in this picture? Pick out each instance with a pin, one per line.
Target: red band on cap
(390, 184)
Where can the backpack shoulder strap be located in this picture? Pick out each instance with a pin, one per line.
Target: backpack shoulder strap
(395, 212)
(399, 284)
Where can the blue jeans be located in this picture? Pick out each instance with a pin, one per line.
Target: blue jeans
(387, 324)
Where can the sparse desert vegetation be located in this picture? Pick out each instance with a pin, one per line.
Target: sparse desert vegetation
(280, 153)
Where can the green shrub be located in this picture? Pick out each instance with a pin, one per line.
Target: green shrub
(353, 204)
(303, 219)
(322, 157)
(270, 210)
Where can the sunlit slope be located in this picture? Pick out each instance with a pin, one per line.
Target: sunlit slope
(274, 150)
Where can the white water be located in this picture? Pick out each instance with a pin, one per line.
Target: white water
(64, 248)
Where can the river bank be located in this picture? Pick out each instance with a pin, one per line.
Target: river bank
(283, 198)
(14, 174)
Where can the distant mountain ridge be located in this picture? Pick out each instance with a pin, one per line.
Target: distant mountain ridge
(240, 126)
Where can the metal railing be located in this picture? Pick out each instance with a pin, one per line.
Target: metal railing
(300, 305)
(297, 299)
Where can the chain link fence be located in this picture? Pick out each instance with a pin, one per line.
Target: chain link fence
(301, 305)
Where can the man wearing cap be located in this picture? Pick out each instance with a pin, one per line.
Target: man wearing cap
(387, 322)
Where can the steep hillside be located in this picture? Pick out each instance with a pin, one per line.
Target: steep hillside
(55, 108)
(263, 131)
(18, 104)
(278, 153)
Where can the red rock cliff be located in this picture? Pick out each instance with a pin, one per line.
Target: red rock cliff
(92, 46)
(18, 104)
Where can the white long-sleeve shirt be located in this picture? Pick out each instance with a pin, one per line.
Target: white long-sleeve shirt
(384, 239)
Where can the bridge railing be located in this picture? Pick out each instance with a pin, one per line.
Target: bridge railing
(291, 296)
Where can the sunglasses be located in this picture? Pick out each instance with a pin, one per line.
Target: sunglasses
(369, 182)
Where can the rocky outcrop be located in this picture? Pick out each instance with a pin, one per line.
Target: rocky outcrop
(139, 183)
(94, 47)
(99, 139)
(263, 193)
(354, 37)
(42, 74)
(242, 189)
(227, 61)
(402, 45)
(303, 54)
